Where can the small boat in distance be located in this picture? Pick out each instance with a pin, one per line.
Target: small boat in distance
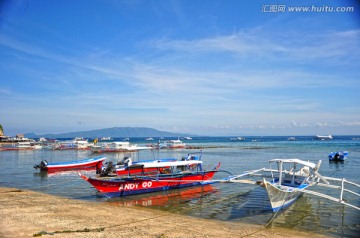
(237, 138)
(170, 144)
(328, 137)
(292, 138)
(92, 163)
(20, 146)
(338, 156)
(176, 144)
(78, 143)
(117, 146)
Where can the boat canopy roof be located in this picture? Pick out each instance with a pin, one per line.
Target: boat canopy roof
(297, 161)
(157, 164)
(75, 162)
(120, 143)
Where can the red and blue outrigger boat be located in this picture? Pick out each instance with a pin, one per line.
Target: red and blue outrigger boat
(91, 163)
(169, 175)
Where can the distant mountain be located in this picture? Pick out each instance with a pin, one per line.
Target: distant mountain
(111, 132)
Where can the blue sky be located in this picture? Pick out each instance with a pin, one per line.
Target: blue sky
(200, 67)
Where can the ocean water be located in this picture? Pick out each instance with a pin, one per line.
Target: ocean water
(227, 202)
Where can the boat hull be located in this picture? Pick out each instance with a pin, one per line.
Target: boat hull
(338, 156)
(282, 196)
(15, 149)
(92, 163)
(118, 187)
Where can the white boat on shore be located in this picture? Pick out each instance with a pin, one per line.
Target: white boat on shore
(292, 178)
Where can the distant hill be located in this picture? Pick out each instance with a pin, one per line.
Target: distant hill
(111, 132)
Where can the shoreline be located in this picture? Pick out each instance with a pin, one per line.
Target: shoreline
(26, 213)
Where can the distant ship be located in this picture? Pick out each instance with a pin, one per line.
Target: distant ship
(328, 137)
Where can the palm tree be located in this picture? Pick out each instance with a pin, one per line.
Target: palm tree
(1, 130)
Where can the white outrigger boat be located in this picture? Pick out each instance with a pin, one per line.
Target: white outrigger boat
(291, 179)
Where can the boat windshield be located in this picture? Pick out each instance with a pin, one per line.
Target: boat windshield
(181, 169)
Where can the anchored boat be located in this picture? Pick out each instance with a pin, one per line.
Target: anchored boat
(169, 175)
(117, 146)
(292, 178)
(320, 137)
(91, 163)
(338, 156)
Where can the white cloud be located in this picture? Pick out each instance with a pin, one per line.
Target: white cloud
(271, 45)
(293, 123)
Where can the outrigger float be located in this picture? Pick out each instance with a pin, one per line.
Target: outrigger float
(285, 184)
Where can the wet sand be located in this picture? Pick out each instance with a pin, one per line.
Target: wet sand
(26, 213)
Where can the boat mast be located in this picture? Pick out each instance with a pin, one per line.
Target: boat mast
(293, 178)
(280, 171)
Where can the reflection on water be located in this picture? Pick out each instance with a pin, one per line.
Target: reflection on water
(228, 202)
(171, 200)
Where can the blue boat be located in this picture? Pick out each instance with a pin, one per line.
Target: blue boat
(338, 156)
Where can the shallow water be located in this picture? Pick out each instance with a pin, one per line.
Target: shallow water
(229, 202)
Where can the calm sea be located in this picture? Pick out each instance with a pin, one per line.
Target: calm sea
(228, 202)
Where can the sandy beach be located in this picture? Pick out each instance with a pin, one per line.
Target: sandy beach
(27, 214)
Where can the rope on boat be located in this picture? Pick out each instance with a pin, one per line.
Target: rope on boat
(275, 214)
(225, 171)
